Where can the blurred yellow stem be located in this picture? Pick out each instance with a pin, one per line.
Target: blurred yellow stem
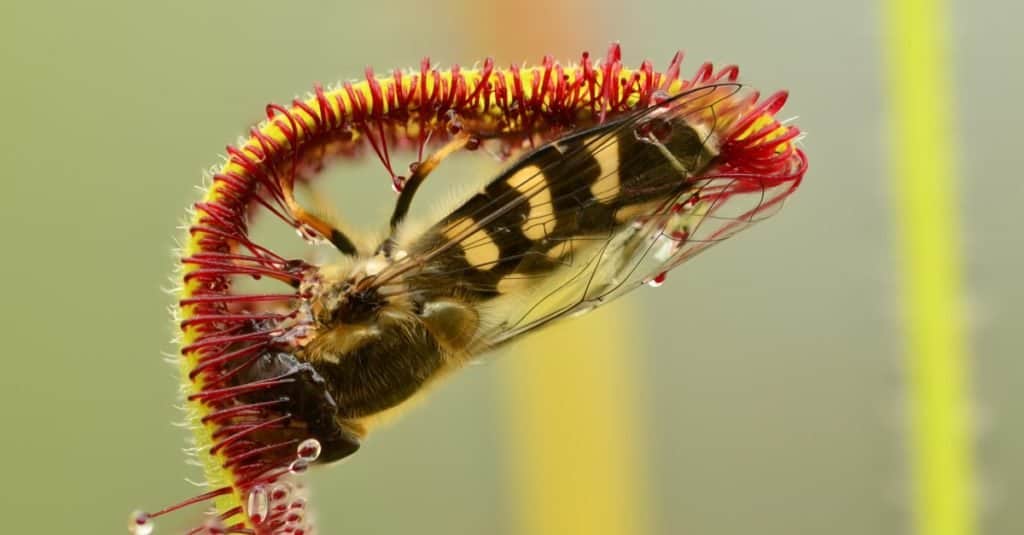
(574, 425)
(926, 212)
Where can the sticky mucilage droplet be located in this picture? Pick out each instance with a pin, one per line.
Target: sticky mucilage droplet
(258, 504)
(309, 450)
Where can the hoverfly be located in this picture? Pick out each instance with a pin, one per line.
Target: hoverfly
(567, 227)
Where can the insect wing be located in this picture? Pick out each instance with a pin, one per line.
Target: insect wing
(589, 217)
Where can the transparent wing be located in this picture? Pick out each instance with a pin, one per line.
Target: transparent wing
(589, 217)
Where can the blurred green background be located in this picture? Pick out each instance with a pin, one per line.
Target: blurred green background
(770, 370)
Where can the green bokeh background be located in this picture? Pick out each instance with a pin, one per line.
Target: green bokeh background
(771, 367)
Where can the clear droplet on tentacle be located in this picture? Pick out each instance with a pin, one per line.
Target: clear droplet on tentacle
(658, 280)
(309, 450)
(140, 523)
(258, 504)
(298, 466)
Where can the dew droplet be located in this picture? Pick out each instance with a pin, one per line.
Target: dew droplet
(278, 493)
(660, 96)
(298, 466)
(309, 450)
(309, 234)
(680, 236)
(661, 130)
(140, 523)
(258, 504)
(454, 124)
(657, 281)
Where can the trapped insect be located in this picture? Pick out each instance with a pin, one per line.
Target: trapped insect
(566, 228)
(614, 177)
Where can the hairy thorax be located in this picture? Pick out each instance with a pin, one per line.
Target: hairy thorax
(376, 345)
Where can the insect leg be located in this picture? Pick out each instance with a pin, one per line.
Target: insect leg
(325, 229)
(416, 178)
(420, 174)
